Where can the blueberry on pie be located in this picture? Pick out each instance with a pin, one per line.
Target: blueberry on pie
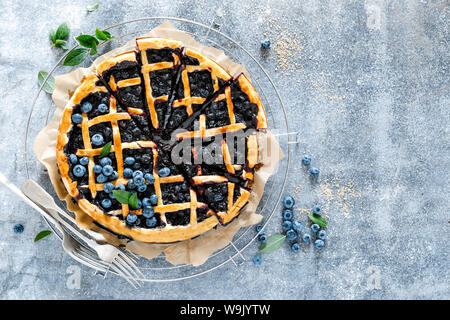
(141, 107)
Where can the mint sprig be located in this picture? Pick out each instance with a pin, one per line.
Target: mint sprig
(125, 197)
(90, 43)
(105, 150)
(92, 7)
(318, 219)
(273, 243)
(49, 85)
(58, 37)
(42, 235)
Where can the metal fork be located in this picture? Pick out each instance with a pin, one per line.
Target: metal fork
(115, 258)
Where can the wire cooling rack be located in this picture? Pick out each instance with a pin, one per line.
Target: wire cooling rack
(158, 269)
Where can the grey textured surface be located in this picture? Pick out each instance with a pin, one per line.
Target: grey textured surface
(368, 91)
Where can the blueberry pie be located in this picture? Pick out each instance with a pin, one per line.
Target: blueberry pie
(159, 144)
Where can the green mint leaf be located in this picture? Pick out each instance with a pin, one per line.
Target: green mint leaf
(105, 150)
(76, 56)
(52, 36)
(92, 7)
(318, 219)
(49, 85)
(61, 45)
(273, 243)
(122, 196)
(93, 51)
(133, 201)
(87, 41)
(42, 235)
(62, 32)
(101, 35)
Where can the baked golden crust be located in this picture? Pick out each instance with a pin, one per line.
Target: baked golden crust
(115, 220)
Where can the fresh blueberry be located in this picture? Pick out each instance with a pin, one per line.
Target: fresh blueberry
(164, 172)
(153, 199)
(77, 118)
(291, 235)
(286, 225)
(139, 181)
(131, 218)
(151, 222)
(97, 139)
(120, 187)
(306, 238)
(322, 234)
(315, 227)
(288, 214)
(259, 227)
(18, 228)
(265, 44)
(101, 178)
(288, 202)
(97, 168)
(319, 244)
(317, 209)
(314, 172)
(102, 108)
(86, 107)
(148, 212)
(129, 161)
(114, 176)
(131, 185)
(127, 173)
(295, 247)
(79, 171)
(146, 202)
(138, 173)
(306, 160)
(106, 203)
(84, 161)
(105, 161)
(73, 159)
(111, 195)
(297, 226)
(257, 260)
(142, 188)
(149, 178)
(262, 237)
(108, 187)
(139, 204)
(107, 170)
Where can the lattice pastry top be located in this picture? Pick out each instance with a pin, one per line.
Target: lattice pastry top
(114, 159)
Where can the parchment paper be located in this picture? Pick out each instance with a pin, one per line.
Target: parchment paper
(195, 251)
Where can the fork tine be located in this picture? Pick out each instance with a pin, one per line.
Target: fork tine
(126, 269)
(126, 266)
(120, 273)
(86, 261)
(117, 263)
(88, 253)
(131, 264)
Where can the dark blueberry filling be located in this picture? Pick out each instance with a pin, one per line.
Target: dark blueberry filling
(134, 129)
(101, 195)
(131, 96)
(200, 83)
(161, 109)
(122, 71)
(244, 110)
(143, 157)
(75, 141)
(141, 222)
(178, 218)
(178, 116)
(95, 99)
(201, 214)
(175, 192)
(216, 196)
(188, 60)
(161, 82)
(217, 114)
(105, 129)
(160, 55)
(164, 161)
